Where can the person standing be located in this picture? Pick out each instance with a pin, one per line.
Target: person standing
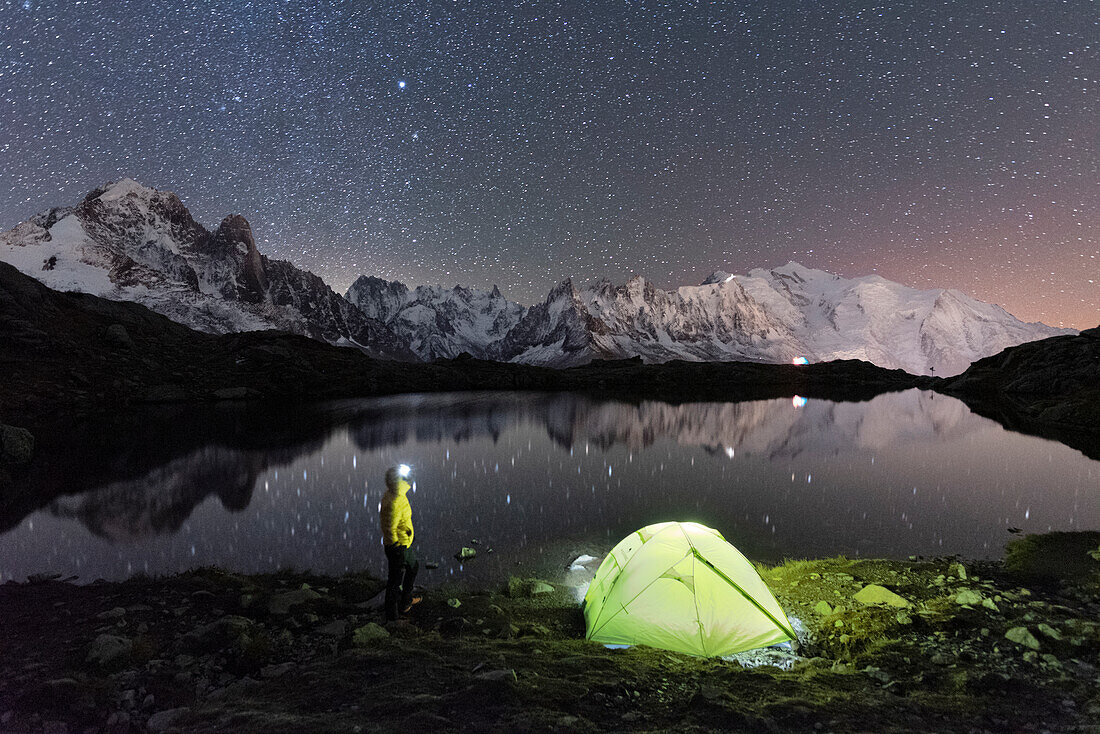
(397, 537)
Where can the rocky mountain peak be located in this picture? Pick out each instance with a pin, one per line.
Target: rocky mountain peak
(717, 277)
(562, 290)
(125, 241)
(234, 237)
(234, 229)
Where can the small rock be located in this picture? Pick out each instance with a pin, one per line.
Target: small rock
(148, 702)
(235, 393)
(335, 628)
(877, 673)
(503, 674)
(968, 597)
(465, 554)
(431, 565)
(115, 613)
(282, 603)
(957, 569)
(368, 634)
(109, 650)
(903, 618)
(16, 445)
(990, 605)
(1031, 656)
(454, 603)
(1022, 636)
(521, 588)
(1050, 632)
(875, 594)
(1051, 660)
(164, 720)
(454, 626)
(823, 608)
(942, 659)
(274, 671)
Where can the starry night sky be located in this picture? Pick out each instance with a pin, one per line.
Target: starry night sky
(935, 143)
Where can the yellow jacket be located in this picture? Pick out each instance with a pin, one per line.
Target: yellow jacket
(397, 516)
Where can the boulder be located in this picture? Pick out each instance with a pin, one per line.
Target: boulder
(16, 445)
(227, 630)
(968, 597)
(117, 337)
(1022, 636)
(109, 650)
(875, 594)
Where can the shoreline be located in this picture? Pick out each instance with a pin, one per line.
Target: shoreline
(963, 646)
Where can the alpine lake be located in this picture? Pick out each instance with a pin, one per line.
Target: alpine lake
(532, 480)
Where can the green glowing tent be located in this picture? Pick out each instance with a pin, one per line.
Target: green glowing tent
(680, 586)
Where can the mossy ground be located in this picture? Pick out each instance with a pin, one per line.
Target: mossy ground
(214, 651)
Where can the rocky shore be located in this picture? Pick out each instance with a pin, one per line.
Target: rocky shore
(886, 646)
(83, 353)
(1049, 388)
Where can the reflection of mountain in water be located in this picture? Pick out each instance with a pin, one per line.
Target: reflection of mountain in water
(765, 427)
(158, 500)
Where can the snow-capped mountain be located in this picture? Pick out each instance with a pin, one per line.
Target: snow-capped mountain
(128, 242)
(438, 323)
(766, 316)
(712, 322)
(886, 323)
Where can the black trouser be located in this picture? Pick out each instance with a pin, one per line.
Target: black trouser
(402, 573)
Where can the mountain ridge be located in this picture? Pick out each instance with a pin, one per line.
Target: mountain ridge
(128, 242)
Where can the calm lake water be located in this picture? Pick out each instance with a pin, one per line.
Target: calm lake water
(539, 478)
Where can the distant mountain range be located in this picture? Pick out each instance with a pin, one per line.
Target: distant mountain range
(129, 242)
